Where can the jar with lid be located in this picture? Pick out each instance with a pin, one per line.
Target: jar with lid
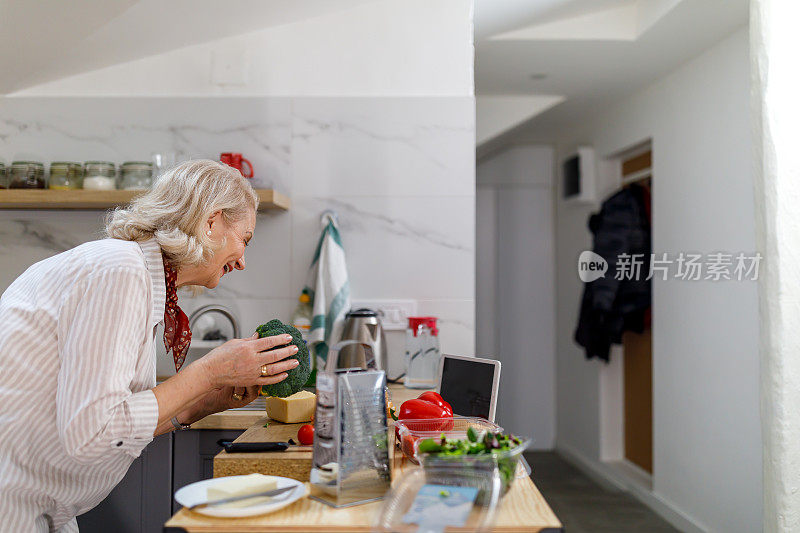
(100, 176)
(136, 175)
(422, 352)
(65, 175)
(3, 178)
(26, 175)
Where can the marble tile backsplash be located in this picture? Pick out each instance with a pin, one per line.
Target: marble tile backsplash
(400, 173)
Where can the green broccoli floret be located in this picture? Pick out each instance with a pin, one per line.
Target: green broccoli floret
(297, 376)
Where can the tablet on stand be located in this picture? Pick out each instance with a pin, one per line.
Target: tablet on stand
(469, 385)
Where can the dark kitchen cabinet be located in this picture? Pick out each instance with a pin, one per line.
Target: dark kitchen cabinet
(142, 501)
(193, 456)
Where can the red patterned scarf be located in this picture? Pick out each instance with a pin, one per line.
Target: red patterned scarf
(177, 335)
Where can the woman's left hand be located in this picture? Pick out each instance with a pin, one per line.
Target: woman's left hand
(221, 399)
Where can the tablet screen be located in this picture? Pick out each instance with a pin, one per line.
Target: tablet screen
(467, 386)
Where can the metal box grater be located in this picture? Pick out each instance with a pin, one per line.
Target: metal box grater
(351, 450)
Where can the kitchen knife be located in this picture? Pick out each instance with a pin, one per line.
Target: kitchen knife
(268, 493)
(251, 447)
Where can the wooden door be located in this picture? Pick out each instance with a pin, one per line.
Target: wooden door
(638, 353)
(638, 383)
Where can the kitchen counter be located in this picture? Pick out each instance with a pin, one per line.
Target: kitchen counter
(294, 463)
(522, 509)
(231, 419)
(243, 419)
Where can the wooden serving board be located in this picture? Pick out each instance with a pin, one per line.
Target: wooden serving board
(294, 463)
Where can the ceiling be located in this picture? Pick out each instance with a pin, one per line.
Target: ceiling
(538, 63)
(589, 52)
(93, 34)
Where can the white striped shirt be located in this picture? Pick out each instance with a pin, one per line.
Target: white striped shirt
(77, 362)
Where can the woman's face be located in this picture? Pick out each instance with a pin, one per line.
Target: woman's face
(237, 235)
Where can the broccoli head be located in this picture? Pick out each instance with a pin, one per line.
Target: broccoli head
(297, 376)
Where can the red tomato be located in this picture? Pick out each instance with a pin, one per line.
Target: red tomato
(306, 435)
(409, 445)
(435, 397)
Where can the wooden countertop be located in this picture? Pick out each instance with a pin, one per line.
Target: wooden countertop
(294, 463)
(232, 419)
(243, 418)
(522, 509)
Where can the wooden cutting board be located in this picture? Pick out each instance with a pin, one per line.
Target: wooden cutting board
(293, 463)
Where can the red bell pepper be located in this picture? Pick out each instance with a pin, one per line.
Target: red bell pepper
(435, 397)
(428, 406)
(422, 409)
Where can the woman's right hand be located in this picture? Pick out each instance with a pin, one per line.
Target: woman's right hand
(238, 362)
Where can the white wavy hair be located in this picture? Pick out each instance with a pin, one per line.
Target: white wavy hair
(175, 210)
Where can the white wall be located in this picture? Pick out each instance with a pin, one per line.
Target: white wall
(707, 444)
(385, 48)
(774, 40)
(390, 148)
(515, 286)
(496, 115)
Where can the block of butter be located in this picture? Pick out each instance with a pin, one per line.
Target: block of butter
(299, 407)
(242, 486)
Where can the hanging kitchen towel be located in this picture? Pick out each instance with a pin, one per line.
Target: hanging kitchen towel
(329, 289)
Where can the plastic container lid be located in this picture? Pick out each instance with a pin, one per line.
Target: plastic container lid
(431, 500)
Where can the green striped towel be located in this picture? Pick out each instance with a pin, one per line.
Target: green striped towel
(329, 289)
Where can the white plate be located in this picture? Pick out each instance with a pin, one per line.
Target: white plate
(198, 493)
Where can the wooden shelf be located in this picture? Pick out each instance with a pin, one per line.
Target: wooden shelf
(83, 199)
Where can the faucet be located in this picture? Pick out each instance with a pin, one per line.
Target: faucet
(227, 313)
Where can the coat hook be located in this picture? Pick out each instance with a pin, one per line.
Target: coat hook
(328, 215)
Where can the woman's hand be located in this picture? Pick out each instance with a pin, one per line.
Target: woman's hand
(221, 399)
(208, 385)
(238, 362)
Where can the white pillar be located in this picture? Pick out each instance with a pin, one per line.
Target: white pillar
(774, 45)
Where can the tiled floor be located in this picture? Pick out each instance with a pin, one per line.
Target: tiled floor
(583, 506)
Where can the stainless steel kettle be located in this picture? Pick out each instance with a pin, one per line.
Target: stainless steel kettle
(364, 326)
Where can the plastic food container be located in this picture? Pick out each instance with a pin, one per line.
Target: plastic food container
(408, 433)
(509, 463)
(412, 504)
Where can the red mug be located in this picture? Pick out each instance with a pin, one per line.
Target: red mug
(232, 159)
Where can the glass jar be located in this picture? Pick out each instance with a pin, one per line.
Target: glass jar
(100, 176)
(3, 179)
(422, 353)
(65, 175)
(136, 175)
(26, 175)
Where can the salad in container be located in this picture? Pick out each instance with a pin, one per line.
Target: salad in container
(409, 432)
(481, 451)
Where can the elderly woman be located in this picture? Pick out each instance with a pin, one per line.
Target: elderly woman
(78, 393)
